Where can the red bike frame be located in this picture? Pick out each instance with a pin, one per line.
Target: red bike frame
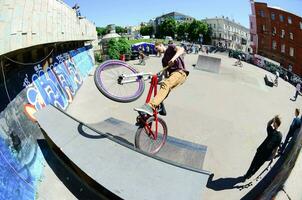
(153, 89)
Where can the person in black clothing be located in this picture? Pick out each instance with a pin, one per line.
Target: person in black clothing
(296, 124)
(267, 150)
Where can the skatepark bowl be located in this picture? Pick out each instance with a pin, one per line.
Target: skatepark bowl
(83, 147)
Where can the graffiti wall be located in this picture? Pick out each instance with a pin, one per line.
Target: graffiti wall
(55, 81)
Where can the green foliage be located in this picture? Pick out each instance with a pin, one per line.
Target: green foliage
(168, 27)
(119, 29)
(124, 46)
(146, 30)
(101, 31)
(97, 57)
(196, 28)
(207, 37)
(113, 49)
(116, 47)
(182, 29)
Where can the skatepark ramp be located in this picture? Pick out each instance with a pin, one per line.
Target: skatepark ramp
(208, 63)
(116, 165)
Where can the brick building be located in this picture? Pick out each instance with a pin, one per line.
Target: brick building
(277, 34)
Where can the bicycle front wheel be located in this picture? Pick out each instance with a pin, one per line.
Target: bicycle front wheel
(107, 79)
(146, 142)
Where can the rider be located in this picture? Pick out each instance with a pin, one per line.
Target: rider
(176, 73)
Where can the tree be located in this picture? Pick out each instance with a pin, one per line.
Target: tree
(116, 47)
(146, 30)
(182, 29)
(168, 27)
(207, 37)
(196, 28)
(119, 29)
(101, 31)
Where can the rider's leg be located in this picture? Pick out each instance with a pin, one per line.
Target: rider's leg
(174, 80)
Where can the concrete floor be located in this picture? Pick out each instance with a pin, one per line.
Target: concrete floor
(227, 112)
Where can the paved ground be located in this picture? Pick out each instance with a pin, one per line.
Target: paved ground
(227, 112)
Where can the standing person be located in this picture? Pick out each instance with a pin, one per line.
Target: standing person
(267, 150)
(298, 88)
(276, 78)
(176, 73)
(141, 55)
(296, 124)
(147, 50)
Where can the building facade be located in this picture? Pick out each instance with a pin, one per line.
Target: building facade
(29, 23)
(277, 34)
(174, 15)
(229, 34)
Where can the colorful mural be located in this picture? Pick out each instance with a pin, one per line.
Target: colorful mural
(55, 81)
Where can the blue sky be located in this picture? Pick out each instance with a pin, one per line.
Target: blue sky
(132, 12)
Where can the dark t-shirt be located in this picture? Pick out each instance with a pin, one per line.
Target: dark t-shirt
(296, 124)
(272, 141)
(179, 62)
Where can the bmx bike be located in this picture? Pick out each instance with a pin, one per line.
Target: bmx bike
(120, 82)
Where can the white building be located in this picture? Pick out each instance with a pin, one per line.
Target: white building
(227, 33)
(29, 23)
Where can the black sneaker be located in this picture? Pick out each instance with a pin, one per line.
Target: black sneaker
(162, 110)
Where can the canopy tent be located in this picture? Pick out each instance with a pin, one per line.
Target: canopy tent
(136, 46)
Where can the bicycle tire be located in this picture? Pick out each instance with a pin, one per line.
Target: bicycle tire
(113, 65)
(142, 132)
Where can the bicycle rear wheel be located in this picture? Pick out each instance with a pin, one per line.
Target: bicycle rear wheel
(145, 141)
(106, 78)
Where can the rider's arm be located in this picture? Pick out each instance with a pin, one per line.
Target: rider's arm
(179, 51)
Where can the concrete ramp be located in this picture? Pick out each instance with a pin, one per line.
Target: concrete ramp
(208, 63)
(118, 166)
(175, 150)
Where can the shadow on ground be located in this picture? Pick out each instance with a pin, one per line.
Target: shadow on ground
(224, 183)
(68, 178)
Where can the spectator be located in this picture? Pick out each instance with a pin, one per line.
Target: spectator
(276, 78)
(296, 124)
(267, 150)
(298, 88)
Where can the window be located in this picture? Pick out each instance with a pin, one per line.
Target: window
(289, 20)
(274, 45)
(263, 27)
(282, 33)
(291, 36)
(261, 13)
(291, 51)
(301, 25)
(281, 18)
(252, 25)
(283, 48)
(273, 16)
(214, 25)
(274, 31)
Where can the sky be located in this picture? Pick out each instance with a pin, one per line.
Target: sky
(133, 12)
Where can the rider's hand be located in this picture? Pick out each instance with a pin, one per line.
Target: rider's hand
(171, 62)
